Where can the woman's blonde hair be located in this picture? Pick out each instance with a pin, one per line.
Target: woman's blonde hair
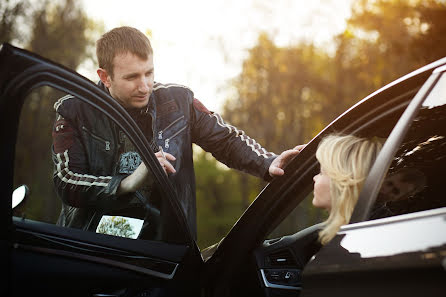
(346, 160)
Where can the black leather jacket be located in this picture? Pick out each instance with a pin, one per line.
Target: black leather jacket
(87, 147)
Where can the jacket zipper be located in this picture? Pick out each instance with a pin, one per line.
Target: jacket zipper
(160, 133)
(166, 142)
(107, 143)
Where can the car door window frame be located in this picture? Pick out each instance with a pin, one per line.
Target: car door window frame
(373, 182)
(35, 72)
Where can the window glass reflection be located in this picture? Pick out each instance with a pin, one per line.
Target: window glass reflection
(415, 179)
(437, 96)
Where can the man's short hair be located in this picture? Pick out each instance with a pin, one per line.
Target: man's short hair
(120, 41)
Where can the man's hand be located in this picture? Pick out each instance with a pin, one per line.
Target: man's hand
(135, 181)
(276, 167)
(164, 159)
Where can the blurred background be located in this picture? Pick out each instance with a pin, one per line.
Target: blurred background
(278, 70)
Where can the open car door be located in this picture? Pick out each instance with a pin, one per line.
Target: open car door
(43, 258)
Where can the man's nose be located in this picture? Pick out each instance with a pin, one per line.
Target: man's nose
(144, 85)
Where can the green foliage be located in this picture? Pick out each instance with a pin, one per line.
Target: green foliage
(274, 91)
(219, 205)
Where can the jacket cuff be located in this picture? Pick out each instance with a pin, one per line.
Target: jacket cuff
(266, 176)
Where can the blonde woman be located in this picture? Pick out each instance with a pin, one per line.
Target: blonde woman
(345, 162)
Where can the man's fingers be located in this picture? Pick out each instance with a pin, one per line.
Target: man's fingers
(276, 168)
(276, 171)
(299, 147)
(294, 152)
(168, 167)
(164, 159)
(286, 155)
(170, 157)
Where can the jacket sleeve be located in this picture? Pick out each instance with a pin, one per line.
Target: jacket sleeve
(73, 183)
(228, 144)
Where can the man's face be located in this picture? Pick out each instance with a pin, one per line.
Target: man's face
(132, 81)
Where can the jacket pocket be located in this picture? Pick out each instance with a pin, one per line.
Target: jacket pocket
(168, 139)
(172, 130)
(103, 143)
(161, 132)
(99, 151)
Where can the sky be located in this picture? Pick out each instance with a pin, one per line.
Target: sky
(202, 43)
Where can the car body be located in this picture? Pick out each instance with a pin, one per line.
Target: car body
(396, 248)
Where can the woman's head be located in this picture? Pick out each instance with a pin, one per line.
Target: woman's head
(345, 162)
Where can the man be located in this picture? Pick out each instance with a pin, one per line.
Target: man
(98, 170)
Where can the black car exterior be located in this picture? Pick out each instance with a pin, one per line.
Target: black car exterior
(396, 248)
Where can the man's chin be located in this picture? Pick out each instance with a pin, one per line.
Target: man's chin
(139, 103)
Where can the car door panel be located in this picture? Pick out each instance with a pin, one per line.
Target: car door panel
(93, 265)
(403, 254)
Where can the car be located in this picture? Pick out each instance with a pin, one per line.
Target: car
(394, 244)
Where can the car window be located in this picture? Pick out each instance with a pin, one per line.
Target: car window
(415, 179)
(374, 120)
(62, 194)
(302, 216)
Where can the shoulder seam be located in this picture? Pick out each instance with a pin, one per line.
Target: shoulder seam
(61, 100)
(171, 85)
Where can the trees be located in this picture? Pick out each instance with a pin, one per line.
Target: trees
(10, 14)
(280, 92)
(62, 32)
(385, 40)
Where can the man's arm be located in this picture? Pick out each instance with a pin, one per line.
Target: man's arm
(135, 181)
(228, 144)
(234, 148)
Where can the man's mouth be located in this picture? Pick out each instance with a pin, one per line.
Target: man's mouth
(141, 97)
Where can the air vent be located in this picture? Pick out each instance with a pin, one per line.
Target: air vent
(281, 258)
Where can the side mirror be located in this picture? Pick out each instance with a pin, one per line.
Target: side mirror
(19, 195)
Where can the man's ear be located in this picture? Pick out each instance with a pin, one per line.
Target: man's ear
(104, 77)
